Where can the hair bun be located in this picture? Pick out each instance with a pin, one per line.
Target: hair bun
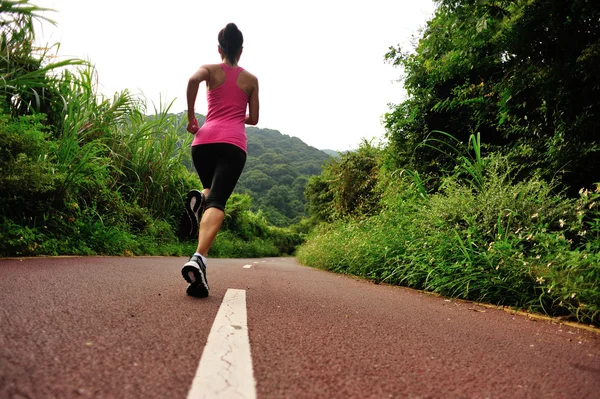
(231, 28)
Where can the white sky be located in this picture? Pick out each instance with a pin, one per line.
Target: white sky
(319, 63)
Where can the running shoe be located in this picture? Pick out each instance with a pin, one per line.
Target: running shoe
(194, 272)
(194, 204)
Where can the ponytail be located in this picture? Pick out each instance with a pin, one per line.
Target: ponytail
(231, 41)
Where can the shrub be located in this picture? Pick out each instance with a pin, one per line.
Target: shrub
(513, 243)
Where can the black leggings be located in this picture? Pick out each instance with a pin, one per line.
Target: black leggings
(219, 166)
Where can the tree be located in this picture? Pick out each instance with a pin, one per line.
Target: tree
(347, 186)
(258, 181)
(521, 73)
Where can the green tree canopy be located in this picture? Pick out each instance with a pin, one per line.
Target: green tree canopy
(521, 73)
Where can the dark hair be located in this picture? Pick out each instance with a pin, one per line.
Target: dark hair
(231, 41)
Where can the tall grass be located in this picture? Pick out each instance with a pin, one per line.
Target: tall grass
(480, 235)
(25, 71)
(147, 154)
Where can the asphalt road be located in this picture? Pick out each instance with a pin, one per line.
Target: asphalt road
(124, 328)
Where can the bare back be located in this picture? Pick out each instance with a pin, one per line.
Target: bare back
(245, 80)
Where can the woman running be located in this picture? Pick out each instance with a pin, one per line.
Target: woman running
(219, 146)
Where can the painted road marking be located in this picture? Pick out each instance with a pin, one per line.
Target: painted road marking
(247, 266)
(225, 369)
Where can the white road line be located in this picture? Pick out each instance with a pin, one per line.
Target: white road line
(225, 369)
(247, 266)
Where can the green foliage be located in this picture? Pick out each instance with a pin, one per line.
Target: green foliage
(79, 231)
(520, 73)
(347, 186)
(26, 79)
(149, 159)
(25, 159)
(479, 221)
(253, 235)
(319, 195)
(84, 174)
(276, 173)
(507, 241)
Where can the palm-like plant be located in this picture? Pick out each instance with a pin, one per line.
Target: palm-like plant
(104, 159)
(24, 73)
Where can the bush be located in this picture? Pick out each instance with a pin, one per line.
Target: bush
(347, 187)
(26, 164)
(247, 234)
(512, 243)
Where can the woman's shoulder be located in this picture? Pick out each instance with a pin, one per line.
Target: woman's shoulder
(212, 67)
(248, 75)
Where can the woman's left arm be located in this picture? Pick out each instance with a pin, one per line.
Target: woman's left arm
(253, 104)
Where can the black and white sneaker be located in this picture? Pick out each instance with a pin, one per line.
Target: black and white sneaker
(194, 204)
(194, 272)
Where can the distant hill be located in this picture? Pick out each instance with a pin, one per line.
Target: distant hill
(333, 153)
(276, 172)
(277, 169)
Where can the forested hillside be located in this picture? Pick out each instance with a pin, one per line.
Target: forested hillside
(333, 153)
(276, 173)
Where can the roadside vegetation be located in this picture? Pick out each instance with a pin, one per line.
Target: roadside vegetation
(82, 174)
(487, 186)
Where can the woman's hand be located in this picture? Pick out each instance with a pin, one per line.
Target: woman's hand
(192, 126)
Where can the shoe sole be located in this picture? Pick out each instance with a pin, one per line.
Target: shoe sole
(191, 213)
(192, 218)
(196, 279)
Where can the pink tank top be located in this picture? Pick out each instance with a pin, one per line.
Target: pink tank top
(226, 113)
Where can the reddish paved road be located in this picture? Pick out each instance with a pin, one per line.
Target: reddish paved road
(124, 328)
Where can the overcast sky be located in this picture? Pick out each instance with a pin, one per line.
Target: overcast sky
(319, 63)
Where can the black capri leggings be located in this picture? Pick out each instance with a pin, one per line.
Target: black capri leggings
(219, 166)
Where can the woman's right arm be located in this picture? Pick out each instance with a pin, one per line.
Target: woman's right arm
(201, 75)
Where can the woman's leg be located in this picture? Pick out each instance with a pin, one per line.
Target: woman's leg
(219, 179)
(209, 227)
(219, 167)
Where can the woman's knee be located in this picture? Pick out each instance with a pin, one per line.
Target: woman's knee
(216, 204)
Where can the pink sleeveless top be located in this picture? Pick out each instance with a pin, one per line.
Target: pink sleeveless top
(226, 113)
